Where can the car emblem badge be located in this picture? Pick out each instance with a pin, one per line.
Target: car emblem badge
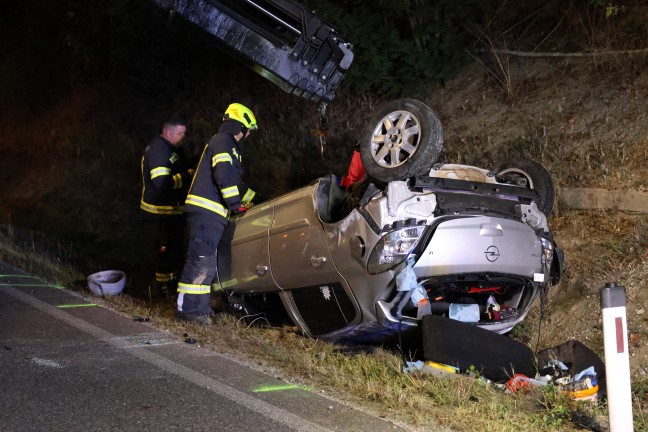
(326, 292)
(492, 253)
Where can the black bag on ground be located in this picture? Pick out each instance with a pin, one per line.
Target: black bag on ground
(577, 357)
(496, 357)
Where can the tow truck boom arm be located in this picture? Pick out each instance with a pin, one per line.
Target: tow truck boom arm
(279, 39)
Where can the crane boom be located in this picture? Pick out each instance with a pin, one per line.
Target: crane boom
(279, 39)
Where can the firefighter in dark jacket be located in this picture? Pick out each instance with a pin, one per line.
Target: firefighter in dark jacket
(166, 177)
(217, 191)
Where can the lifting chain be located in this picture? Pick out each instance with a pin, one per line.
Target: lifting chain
(321, 127)
(172, 12)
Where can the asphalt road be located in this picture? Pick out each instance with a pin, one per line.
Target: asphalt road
(69, 365)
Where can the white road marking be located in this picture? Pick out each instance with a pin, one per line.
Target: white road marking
(273, 412)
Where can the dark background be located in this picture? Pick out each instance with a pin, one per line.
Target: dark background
(87, 83)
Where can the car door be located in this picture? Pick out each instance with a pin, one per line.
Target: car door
(302, 265)
(243, 260)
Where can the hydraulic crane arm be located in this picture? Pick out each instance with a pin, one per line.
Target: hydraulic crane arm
(279, 39)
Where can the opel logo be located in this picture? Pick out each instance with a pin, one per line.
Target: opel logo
(492, 253)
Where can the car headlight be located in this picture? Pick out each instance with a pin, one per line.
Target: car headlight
(393, 248)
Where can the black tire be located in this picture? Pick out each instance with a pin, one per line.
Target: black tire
(495, 356)
(532, 175)
(404, 139)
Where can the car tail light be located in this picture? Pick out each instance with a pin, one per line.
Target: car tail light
(547, 250)
(393, 248)
(547, 257)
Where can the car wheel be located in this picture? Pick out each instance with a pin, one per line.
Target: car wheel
(404, 139)
(532, 175)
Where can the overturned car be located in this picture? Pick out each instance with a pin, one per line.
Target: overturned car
(415, 238)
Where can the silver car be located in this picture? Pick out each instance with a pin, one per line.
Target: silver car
(415, 238)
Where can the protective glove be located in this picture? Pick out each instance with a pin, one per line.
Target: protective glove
(242, 209)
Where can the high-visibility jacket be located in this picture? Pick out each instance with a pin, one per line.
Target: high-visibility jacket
(165, 178)
(217, 187)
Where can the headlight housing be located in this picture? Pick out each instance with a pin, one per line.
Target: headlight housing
(393, 248)
(547, 250)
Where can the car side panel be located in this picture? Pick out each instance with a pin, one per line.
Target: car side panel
(243, 260)
(299, 255)
(320, 299)
(351, 241)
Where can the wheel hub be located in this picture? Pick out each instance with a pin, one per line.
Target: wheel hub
(394, 139)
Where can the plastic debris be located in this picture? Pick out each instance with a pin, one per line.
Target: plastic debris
(581, 386)
(423, 308)
(522, 382)
(584, 385)
(587, 372)
(419, 295)
(413, 366)
(406, 278)
(493, 309)
(464, 312)
(435, 368)
(406, 281)
(557, 363)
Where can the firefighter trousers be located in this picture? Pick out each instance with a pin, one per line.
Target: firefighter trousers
(194, 287)
(169, 245)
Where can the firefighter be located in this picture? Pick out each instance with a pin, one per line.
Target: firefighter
(166, 177)
(217, 191)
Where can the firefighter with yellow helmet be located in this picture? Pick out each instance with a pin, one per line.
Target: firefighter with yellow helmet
(217, 191)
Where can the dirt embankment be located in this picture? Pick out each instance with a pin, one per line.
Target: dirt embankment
(588, 125)
(70, 166)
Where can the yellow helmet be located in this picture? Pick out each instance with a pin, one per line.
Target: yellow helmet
(242, 114)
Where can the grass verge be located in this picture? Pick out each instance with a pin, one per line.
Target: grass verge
(367, 377)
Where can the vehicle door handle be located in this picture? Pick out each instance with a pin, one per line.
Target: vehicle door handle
(316, 261)
(261, 270)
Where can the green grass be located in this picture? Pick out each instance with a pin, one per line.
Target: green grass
(35, 254)
(371, 378)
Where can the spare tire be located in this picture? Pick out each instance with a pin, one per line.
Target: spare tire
(532, 175)
(404, 139)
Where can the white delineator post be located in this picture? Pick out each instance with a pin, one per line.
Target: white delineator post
(617, 358)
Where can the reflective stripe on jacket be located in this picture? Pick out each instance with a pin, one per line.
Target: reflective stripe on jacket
(193, 289)
(165, 179)
(218, 186)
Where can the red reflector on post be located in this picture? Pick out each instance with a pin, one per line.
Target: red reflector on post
(618, 322)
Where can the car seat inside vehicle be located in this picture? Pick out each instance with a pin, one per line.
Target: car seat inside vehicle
(330, 199)
(334, 203)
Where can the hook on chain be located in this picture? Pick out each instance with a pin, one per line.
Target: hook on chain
(321, 127)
